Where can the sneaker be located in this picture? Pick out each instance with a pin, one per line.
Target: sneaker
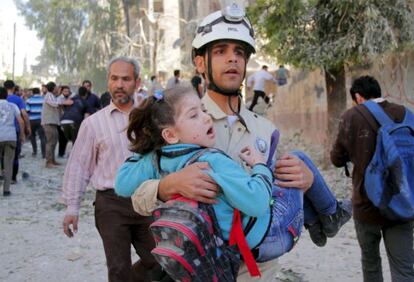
(316, 234)
(332, 223)
(6, 193)
(13, 181)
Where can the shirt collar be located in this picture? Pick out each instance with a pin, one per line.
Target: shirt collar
(112, 107)
(378, 100)
(216, 113)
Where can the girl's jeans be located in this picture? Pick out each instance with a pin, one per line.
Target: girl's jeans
(291, 209)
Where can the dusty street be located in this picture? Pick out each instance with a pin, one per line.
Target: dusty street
(34, 248)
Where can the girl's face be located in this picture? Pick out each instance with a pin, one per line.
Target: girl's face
(192, 124)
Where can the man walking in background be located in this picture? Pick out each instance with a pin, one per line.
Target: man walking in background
(51, 120)
(173, 81)
(95, 161)
(9, 112)
(356, 142)
(257, 81)
(12, 98)
(92, 99)
(34, 107)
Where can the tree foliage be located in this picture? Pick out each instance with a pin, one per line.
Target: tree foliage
(78, 35)
(331, 33)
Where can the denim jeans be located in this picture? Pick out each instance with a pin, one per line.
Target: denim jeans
(290, 210)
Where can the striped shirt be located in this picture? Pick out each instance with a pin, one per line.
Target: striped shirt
(101, 147)
(34, 107)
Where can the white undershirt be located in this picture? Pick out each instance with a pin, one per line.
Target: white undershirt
(232, 120)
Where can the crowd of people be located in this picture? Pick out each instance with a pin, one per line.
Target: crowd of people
(128, 128)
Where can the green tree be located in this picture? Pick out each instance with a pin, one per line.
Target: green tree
(332, 34)
(79, 36)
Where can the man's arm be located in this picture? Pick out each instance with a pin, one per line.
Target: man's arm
(76, 178)
(26, 121)
(339, 153)
(191, 182)
(20, 123)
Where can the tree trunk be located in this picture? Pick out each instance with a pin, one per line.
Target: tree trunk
(336, 96)
(125, 5)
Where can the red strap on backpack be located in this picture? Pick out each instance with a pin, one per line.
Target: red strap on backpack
(237, 237)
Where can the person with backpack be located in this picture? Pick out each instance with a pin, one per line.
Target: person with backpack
(282, 75)
(171, 127)
(359, 139)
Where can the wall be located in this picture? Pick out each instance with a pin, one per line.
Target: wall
(301, 105)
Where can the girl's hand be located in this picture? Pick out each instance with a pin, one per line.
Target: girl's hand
(251, 156)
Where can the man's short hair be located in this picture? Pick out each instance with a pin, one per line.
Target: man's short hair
(3, 93)
(9, 84)
(176, 72)
(50, 86)
(153, 77)
(36, 90)
(86, 81)
(265, 67)
(366, 86)
(124, 59)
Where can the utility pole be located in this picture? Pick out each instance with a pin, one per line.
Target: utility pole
(14, 47)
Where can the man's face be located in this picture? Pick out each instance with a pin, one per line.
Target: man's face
(121, 82)
(88, 86)
(228, 61)
(66, 92)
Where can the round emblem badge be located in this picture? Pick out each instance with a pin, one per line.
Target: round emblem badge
(261, 145)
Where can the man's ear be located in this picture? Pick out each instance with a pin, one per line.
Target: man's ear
(170, 135)
(137, 83)
(200, 64)
(359, 99)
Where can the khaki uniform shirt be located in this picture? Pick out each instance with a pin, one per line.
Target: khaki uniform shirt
(231, 140)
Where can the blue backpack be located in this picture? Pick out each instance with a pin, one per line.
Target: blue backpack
(389, 177)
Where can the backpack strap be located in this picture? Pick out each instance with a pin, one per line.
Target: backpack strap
(377, 111)
(237, 237)
(368, 116)
(409, 117)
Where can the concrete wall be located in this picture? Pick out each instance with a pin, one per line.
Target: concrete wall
(301, 105)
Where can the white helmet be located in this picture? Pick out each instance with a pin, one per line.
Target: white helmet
(229, 23)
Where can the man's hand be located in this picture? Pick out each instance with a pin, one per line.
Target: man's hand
(28, 131)
(67, 222)
(67, 102)
(290, 171)
(191, 182)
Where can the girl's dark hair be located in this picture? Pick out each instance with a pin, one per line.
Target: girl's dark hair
(148, 120)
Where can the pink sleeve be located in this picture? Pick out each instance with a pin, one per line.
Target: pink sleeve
(79, 168)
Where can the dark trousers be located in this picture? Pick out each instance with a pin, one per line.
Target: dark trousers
(37, 129)
(16, 158)
(256, 96)
(120, 226)
(71, 131)
(7, 149)
(62, 142)
(398, 241)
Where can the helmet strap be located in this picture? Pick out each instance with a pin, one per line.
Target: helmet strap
(212, 85)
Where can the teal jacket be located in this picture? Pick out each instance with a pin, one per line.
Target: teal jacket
(251, 194)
